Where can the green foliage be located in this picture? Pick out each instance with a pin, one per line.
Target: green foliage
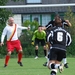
(69, 15)
(26, 37)
(4, 14)
(3, 2)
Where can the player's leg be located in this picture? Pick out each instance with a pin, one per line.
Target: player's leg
(51, 64)
(36, 48)
(20, 52)
(44, 47)
(10, 48)
(36, 51)
(65, 61)
(56, 57)
(7, 58)
(48, 53)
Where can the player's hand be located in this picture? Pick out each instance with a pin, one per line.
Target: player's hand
(32, 43)
(1, 44)
(28, 27)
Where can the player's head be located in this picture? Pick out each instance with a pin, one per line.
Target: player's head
(58, 20)
(10, 21)
(40, 28)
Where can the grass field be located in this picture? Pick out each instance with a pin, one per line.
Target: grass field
(33, 66)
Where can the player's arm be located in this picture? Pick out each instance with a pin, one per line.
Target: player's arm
(33, 38)
(49, 39)
(22, 28)
(48, 25)
(68, 22)
(3, 36)
(69, 40)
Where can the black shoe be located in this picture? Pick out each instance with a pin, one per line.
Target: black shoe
(5, 66)
(20, 63)
(45, 64)
(66, 65)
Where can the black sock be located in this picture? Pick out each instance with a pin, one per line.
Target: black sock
(45, 52)
(36, 52)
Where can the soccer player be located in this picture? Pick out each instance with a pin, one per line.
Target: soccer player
(12, 42)
(53, 23)
(59, 38)
(39, 37)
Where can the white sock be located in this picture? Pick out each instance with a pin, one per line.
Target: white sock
(56, 66)
(64, 60)
(55, 70)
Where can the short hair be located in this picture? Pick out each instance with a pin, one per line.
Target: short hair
(40, 26)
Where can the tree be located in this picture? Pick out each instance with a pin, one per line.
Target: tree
(71, 17)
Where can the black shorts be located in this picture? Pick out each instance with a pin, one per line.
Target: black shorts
(57, 54)
(39, 41)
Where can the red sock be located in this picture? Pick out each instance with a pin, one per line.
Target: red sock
(19, 57)
(7, 59)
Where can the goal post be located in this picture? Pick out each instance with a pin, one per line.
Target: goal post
(39, 5)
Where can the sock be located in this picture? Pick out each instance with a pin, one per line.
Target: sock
(36, 52)
(7, 59)
(19, 57)
(57, 66)
(52, 66)
(45, 52)
(64, 60)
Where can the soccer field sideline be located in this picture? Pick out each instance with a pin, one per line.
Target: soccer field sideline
(33, 67)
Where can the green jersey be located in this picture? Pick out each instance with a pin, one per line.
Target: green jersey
(39, 35)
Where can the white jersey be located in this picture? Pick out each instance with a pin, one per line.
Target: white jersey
(8, 30)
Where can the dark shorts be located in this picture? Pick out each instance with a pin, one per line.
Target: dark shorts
(57, 54)
(39, 41)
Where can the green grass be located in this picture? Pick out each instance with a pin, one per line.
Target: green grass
(33, 67)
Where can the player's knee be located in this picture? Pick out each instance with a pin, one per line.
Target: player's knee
(9, 53)
(36, 47)
(20, 51)
(44, 47)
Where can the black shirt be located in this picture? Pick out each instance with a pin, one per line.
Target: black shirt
(59, 38)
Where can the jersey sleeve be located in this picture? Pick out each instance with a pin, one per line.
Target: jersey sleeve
(49, 38)
(69, 40)
(21, 27)
(49, 24)
(3, 34)
(64, 23)
(34, 35)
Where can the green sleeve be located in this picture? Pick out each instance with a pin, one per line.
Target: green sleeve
(34, 36)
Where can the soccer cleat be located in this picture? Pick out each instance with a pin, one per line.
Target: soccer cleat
(20, 63)
(45, 64)
(5, 66)
(53, 73)
(61, 68)
(36, 57)
(66, 65)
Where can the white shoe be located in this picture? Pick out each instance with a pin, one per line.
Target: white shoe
(61, 67)
(36, 57)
